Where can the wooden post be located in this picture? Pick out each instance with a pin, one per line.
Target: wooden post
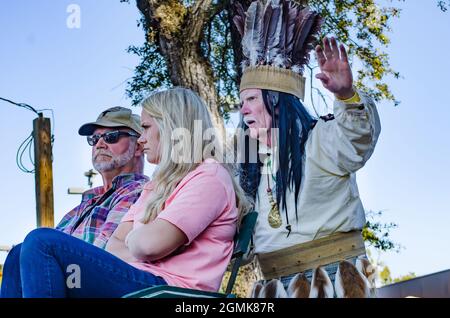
(43, 171)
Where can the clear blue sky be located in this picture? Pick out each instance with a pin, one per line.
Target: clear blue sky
(80, 72)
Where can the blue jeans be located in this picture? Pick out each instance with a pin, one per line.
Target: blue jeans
(11, 274)
(50, 263)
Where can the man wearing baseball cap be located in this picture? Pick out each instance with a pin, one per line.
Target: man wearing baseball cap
(119, 159)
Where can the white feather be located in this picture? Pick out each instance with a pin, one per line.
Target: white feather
(338, 288)
(279, 61)
(328, 290)
(273, 288)
(368, 271)
(244, 64)
(251, 46)
(297, 69)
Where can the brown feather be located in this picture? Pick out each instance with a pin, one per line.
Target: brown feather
(287, 34)
(239, 18)
(352, 283)
(307, 25)
(273, 289)
(271, 31)
(321, 284)
(239, 24)
(256, 290)
(299, 287)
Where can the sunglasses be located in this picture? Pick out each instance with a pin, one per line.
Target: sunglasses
(110, 137)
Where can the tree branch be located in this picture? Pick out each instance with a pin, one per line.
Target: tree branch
(147, 10)
(196, 18)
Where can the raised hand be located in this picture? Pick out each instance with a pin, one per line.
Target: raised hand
(335, 75)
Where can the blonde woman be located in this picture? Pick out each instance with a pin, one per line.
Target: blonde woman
(179, 232)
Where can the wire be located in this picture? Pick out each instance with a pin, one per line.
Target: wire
(26, 145)
(30, 155)
(26, 106)
(311, 86)
(53, 122)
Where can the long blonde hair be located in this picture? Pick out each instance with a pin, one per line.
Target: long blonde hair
(177, 110)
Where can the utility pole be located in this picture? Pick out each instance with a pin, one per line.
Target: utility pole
(43, 171)
(5, 248)
(90, 175)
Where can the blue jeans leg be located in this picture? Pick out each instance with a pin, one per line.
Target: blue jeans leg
(55, 264)
(11, 283)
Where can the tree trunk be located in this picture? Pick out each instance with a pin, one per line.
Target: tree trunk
(179, 30)
(187, 68)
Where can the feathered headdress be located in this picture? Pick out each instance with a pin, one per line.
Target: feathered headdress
(276, 40)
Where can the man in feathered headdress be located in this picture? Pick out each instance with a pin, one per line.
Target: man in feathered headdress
(310, 214)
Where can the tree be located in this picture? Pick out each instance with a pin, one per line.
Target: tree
(376, 234)
(386, 278)
(193, 43)
(174, 49)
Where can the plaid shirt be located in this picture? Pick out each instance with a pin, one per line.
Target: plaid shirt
(99, 213)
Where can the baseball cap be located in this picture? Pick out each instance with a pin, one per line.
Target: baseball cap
(113, 117)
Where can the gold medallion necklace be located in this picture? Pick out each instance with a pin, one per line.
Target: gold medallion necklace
(274, 217)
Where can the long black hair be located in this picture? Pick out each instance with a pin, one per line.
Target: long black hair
(294, 123)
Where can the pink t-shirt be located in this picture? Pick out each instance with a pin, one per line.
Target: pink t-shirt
(203, 206)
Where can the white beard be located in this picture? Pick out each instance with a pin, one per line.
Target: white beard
(114, 162)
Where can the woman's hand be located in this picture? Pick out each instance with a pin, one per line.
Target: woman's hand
(336, 75)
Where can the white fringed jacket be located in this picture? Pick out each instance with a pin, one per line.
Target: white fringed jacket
(329, 201)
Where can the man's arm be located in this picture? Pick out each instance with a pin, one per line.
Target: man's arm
(115, 215)
(346, 143)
